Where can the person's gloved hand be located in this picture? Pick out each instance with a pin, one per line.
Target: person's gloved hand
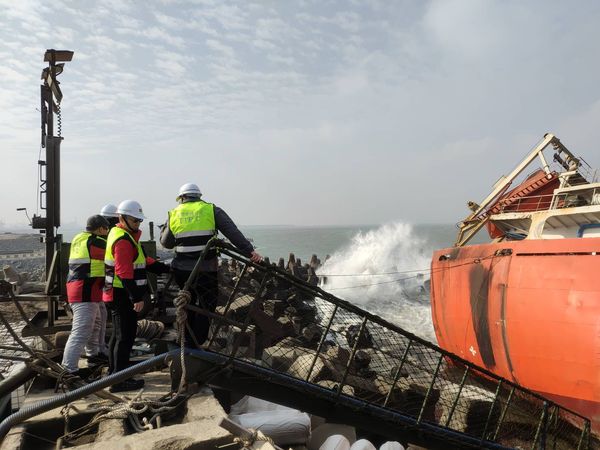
(255, 257)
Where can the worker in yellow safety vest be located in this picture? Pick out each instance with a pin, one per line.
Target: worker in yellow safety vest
(125, 286)
(85, 281)
(187, 230)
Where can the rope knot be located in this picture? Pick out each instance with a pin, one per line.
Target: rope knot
(180, 302)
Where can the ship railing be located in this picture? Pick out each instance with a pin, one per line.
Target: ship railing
(533, 203)
(590, 174)
(530, 203)
(273, 320)
(583, 197)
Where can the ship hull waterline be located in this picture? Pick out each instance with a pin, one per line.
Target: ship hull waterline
(528, 311)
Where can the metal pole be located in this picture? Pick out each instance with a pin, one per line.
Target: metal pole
(50, 181)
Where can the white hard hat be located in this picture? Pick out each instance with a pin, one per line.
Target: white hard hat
(131, 208)
(189, 188)
(109, 210)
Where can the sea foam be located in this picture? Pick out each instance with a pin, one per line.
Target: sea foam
(385, 271)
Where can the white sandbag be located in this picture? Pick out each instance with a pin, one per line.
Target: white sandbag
(335, 442)
(249, 404)
(285, 426)
(391, 445)
(320, 434)
(362, 444)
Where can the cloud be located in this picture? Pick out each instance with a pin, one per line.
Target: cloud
(360, 99)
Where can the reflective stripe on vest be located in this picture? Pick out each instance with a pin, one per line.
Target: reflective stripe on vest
(139, 264)
(192, 225)
(83, 269)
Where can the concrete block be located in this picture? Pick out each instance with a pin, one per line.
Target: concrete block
(204, 406)
(302, 365)
(110, 429)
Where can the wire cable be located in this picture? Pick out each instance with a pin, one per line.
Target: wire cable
(474, 261)
(372, 274)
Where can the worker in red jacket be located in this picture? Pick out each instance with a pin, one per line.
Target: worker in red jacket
(84, 293)
(125, 286)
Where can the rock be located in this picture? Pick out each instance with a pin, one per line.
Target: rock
(243, 338)
(334, 386)
(283, 354)
(203, 406)
(111, 429)
(239, 307)
(11, 275)
(376, 385)
(287, 326)
(365, 340)
(337, 357)
(275, 308)
(279, 357)
(362, 359)
(302, 365)
(200, 431)
(312, 277)
(311, 333)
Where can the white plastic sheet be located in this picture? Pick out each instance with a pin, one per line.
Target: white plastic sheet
(284, 425)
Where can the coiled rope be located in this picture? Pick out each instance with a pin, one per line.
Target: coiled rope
(247, 442)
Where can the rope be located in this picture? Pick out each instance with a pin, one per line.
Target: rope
(250, 440)
(181, 301)
(137, 406)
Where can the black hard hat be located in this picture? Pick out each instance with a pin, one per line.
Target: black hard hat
(95, 222)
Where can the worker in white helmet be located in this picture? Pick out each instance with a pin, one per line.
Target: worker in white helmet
(109, 212)
(126, 285)
(188, 229)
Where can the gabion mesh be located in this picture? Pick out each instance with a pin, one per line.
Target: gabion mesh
(276, 317)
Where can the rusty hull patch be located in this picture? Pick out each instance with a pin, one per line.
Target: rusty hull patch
(479, 278)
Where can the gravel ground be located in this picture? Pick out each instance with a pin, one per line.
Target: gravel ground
(17, 243)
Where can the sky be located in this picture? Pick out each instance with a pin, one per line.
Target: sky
(295, 112)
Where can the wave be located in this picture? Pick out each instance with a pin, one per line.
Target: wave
(385, 271)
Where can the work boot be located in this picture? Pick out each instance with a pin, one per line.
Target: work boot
(127, 385)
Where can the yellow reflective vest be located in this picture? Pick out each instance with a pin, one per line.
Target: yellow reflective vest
(86, 268)
(139, 264)
(192, 225)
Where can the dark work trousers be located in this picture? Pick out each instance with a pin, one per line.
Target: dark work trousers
(205, 293)
(124, 322)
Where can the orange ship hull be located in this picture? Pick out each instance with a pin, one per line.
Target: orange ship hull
(528, 311)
